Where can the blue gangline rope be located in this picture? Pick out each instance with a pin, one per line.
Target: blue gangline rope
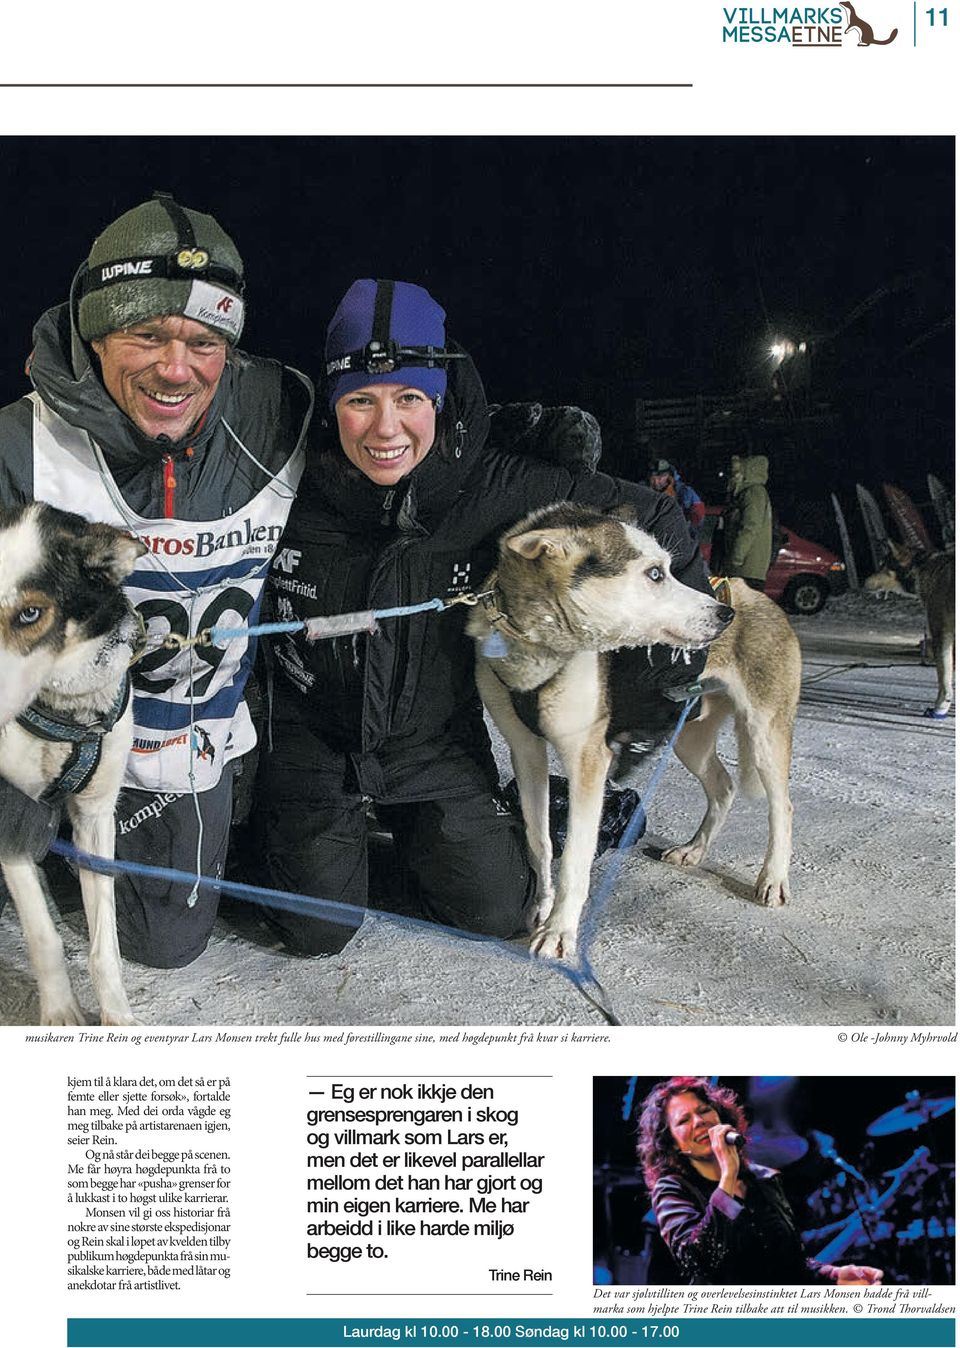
(308, 905)
(275, 629)
(634, 828)
(581, 975)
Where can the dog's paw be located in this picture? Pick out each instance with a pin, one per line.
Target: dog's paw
(552, 940)
(62, 1013)
(540, 911)
(772, 890)
(540, 915)
(691, 854)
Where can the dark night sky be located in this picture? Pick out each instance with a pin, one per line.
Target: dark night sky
(575, 270)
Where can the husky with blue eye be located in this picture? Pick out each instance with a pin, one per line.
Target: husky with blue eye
(67, 635)
(572, 590)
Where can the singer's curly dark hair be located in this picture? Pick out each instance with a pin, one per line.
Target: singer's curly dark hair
(656, 1149)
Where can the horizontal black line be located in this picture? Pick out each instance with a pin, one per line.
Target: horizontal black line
(347, 86)
(429, 1294)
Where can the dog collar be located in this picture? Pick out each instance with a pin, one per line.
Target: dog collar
(494, 646)
(86, 738)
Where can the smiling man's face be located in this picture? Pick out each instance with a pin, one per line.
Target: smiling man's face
(162, 372)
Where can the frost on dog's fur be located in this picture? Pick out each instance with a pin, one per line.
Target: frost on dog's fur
(580, 580)
(571, 587)
(66, 638)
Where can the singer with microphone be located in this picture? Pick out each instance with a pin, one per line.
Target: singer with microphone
(724, 1219)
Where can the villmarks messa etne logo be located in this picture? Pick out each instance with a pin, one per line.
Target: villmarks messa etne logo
(801, 25)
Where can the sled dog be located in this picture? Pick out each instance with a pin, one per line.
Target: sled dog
(66, 639)
(930, 577)
(571, 587)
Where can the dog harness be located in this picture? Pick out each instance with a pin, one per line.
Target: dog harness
(87, 740)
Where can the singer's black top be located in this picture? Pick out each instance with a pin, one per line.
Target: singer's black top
(718, 1239)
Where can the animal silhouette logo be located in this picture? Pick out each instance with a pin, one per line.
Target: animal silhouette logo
(202, 744)
(865, 37)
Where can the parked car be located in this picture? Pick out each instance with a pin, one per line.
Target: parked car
(802, 575)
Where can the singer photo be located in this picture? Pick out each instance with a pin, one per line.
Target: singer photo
(774, 1180)
(724, 1218)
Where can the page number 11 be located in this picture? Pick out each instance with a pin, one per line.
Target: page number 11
(932, 16)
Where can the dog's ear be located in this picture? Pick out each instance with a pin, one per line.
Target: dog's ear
(109, 553)
(537, 542)
(626, 512)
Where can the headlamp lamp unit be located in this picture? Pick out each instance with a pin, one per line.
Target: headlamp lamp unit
(187, 262)
(383, 354)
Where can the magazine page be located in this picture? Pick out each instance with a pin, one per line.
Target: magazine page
(477, 773)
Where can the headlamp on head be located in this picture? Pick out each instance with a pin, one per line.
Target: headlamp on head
(160, 258)
(184, 265)
(383, 357)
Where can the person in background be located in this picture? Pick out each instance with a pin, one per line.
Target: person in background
(748, 521)
(724, 1219)
(665, 476)
(145, 414)
(404, 500)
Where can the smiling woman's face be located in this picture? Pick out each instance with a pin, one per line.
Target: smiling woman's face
(386, 430)
(690, 1119)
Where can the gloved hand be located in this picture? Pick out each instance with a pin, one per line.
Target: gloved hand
(564, 435)
(618, 810)
(648, 712)
(27, 827)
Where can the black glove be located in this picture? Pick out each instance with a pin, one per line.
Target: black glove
(564, 435)
(647, 711)
(618, 810)
(27, 827)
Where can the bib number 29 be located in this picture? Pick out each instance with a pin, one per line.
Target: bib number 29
(177, 618)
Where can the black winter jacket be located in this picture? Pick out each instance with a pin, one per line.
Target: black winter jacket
(405, 699)
(717, 1239)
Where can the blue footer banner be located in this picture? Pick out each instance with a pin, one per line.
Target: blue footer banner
(822, 1331)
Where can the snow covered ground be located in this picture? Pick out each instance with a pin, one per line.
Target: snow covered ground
(867, 939)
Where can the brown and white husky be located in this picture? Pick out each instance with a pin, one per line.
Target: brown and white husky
(572, 587)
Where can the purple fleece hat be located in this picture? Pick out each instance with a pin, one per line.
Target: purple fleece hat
(416, 319)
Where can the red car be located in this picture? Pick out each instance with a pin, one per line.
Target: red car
(802, 574)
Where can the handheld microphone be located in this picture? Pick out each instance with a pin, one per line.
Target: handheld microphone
(734, 1139)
